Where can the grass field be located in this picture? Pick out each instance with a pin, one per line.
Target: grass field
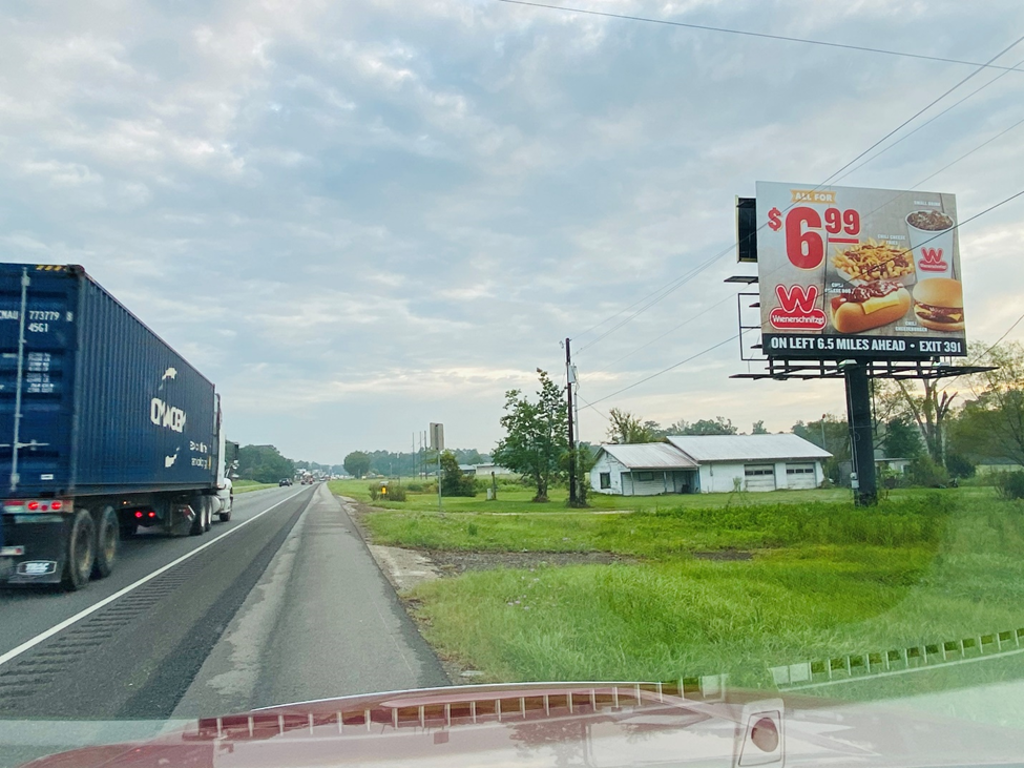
(245, 486)
(515, 498)
(825, 579)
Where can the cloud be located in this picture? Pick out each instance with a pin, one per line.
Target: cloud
(385, 213)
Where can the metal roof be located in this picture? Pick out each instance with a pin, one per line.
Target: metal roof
(649, 456)
(704, 448)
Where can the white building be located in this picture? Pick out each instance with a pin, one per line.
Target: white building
(643, 469)
(485, 470)
(709, 464)
(754, 462)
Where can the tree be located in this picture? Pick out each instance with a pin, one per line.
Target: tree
(536, 435)
(624, 427)
(357, 463)
(902, 439)
(832, 434)
(759, 428)
(1000, 402)
(263, 463)
(453, 481)
(716, 426)
(929, 411)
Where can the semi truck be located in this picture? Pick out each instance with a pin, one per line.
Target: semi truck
(105, 431)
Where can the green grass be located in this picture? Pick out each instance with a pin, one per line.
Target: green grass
(669, 532)
(245, 486)
(827, 580)
(514, 498)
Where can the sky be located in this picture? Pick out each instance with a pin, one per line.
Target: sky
(358, 217)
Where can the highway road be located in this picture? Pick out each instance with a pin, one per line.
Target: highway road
(283, 603)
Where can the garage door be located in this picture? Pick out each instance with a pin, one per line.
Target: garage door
(800, 476)
(760, 477)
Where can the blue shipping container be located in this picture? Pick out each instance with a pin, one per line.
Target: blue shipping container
(106, 407)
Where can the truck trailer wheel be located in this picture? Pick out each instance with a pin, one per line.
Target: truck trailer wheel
(225, 516)
(207, 513)
(198, 526)
(107, 537)
(81, 551)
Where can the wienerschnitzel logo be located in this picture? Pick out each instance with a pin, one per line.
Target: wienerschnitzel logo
(797, 311)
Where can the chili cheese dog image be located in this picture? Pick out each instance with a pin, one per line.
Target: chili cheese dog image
(869, 306)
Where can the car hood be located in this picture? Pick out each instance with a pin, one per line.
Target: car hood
(590, 724)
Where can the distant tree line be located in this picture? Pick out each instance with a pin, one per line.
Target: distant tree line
(410, 464)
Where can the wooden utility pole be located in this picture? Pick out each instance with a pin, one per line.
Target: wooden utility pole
(569, 379)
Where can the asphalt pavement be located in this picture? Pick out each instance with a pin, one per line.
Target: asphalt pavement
(288, 605)
(322, 622)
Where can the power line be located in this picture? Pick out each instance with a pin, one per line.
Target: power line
(736, 336)
(967, 154)
(764, 35)
(666, 333)
(665, 370)
(591, 405)
(922, 111)
(655, 296)
(928, 122)
(658, 295)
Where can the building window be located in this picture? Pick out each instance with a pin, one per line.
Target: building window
(799, 470)
(606, 480)
(644, 477)
(758, 471)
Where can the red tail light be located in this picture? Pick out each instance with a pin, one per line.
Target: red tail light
(56, 506)
(152, 514)
(33, 506)
(138, 514)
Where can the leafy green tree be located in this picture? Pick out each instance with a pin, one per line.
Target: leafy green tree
(263, 463)
(831, 433)
(716, 426)
(902, 440)
(535, 435)
(759, 428)
(357, 463)
(624, 427)
(453, 481)
(998, 412)
(928, 405)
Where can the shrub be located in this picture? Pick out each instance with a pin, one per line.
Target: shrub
(396, 494)
(927, 473)
(415, 487)
(960, 466)
(1010, 485)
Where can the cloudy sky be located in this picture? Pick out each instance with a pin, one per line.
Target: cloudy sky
(361, 216)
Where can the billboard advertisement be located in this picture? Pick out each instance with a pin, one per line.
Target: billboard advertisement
(847, 272)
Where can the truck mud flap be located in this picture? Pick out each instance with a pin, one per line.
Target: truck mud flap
(40, 546)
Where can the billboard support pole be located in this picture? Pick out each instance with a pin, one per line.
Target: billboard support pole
(858, 414)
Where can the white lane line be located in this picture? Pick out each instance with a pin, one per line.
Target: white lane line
(15, 652)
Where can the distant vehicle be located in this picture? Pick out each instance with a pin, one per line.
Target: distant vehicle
(284, 481)
(104, 429)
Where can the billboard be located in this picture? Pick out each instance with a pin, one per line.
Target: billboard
(847, 272)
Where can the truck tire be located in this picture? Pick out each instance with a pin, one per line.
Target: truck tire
(107, 536)
(198, 526)
(225, 515)
(81, 551)
(207, 513)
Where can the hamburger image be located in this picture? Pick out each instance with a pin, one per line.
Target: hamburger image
(939, 304)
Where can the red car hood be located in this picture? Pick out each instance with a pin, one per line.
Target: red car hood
(534, 725)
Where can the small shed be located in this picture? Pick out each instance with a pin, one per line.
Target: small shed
(754, 462)
(643, 469)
